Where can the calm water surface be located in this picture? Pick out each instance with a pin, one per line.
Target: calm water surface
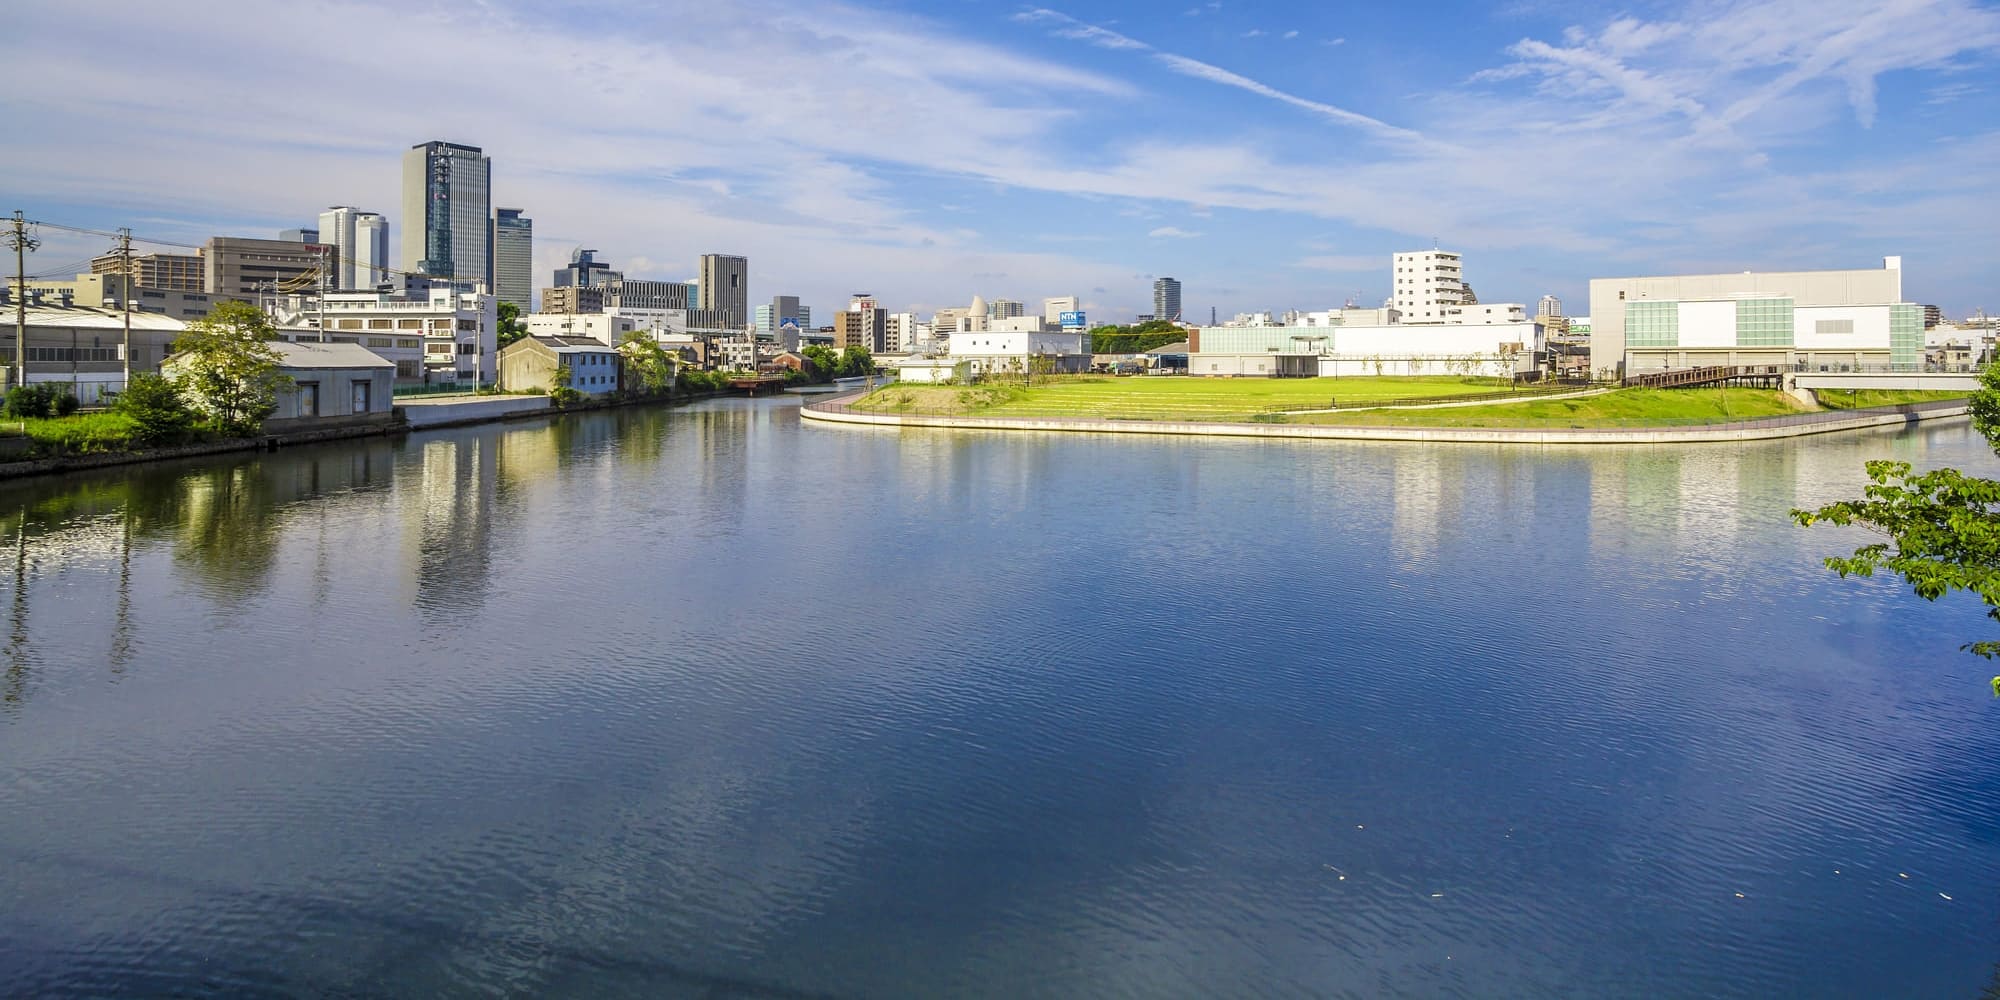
(710, 703)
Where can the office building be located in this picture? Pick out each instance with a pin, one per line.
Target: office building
(633, 293)
(1052, 309)
(1167, 299)
(584, 270)
(248, 268)
(360, 242)
(167, 272)
(1829, 319)
(1005, 309)
(573, 299)
(1344, 350)
(1549, 306)
(864, 324)
(299, 235)
(514, 258)
(782, 320)
(447, 208)
(725, 285)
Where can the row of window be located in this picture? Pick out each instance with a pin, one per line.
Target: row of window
(54, 354)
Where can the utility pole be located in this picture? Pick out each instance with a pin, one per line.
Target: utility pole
(125, 297)
(22, 244)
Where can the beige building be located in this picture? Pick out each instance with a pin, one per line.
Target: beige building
(248, 268)
(532, 362)
(82, 345)
(168, 272)
(1831, 318)
(864, 324)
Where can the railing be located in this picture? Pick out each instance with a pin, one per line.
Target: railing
(1552, 424)
(435, 389)
(1909, 369)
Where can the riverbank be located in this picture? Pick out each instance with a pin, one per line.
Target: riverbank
(840, 411)
(413, 415)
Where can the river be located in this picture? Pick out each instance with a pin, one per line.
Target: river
(706, 702)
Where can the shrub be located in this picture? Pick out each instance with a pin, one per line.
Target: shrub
(67, 405)
(32, 401)
(563, 395)
(159, 414)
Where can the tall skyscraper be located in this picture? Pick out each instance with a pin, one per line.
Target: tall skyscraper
(1167, 299)
(514, 258)
(447, 208)
(360, 242)
(725, 285)
(1549, 306)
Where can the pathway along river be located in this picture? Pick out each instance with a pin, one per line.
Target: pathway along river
(706, 702)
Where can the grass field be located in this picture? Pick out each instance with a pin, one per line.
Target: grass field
(1623, 408)
(1164, 398)
(1854, 399)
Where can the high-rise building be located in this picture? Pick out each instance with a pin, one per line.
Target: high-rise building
(864, 324)
(1005, 309)
(725, 285)
(167, 272)
(1427, 284)
(360, 242)
(299, 235)
(780, 311)
(514, 258)
(1167, 299)
(1549, 306)
(585, 270)
(1052, 309)
(447, 211)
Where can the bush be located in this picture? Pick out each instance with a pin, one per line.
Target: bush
(67, 405)
(36, 401)
(563, 395)
(159, 414)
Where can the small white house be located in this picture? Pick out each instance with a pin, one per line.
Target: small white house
(333, 384)
(934, 371)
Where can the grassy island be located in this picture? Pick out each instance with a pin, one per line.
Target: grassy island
(1346, 402)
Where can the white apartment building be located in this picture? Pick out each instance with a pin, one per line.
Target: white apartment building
(1428, 286)
(1820, 319)
(899, 334)
(604, 328)
(442, 335)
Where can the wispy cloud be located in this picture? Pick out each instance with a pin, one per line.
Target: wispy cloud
(1346, 264)
(1253, 33)
(1172, 233)
(1066, 26)
(1289, 35)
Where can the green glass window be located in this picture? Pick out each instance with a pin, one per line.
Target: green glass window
(1652, 324)
(1906, 336)
(1764, 323)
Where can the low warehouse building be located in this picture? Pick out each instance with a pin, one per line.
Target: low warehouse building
(532, 363)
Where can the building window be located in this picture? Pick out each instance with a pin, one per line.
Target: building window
(1824, 326)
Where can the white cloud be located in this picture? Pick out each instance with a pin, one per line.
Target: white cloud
(1254, 33)
(1172, 233)
(1289, 35)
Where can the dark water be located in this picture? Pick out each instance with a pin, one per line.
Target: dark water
(708, 703)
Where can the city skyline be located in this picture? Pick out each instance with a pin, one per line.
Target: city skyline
(1549, 145)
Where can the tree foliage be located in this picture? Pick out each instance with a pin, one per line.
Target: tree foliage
(855, 361)
(1135, 339)
(823, 361)
(510, 326)
(40, 400)
(226, 366)
(1942, 527)
(159, 415)
(651, 366)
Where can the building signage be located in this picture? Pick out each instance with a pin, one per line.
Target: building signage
(1072, 320)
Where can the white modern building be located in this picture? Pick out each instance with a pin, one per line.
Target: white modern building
(900, 334)
(607, 329)
(1398, 349)
(1053, 308)
(443, 334)
(990, 351)
(1819, 319)
(360, 242)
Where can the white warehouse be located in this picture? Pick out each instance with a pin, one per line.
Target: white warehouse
(1016, 350)
(1499, 349)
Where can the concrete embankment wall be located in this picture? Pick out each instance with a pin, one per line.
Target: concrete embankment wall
(836, 411)
(477, 410)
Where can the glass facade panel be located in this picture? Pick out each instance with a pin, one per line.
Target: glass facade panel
(1906, 336)
(1652, 324)
(1764, 323)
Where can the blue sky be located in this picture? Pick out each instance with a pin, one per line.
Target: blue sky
(1270, 156)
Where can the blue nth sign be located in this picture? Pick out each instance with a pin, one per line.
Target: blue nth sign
(1071, 319)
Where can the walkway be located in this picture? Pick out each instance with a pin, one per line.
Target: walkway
(838, 410)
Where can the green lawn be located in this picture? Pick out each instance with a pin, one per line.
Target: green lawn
(1623, 408)
(1165, 397)
(1854, 399)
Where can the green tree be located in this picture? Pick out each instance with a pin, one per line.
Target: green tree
(652, 367)
(823, 360)
(159, 415)
(561, 393)
(511, 328)
(226, 366)
(1942, 527)
(855, 361)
